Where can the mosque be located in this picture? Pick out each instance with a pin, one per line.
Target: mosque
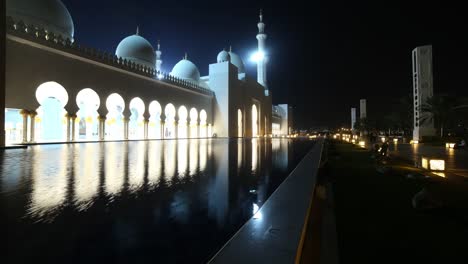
(58, 90)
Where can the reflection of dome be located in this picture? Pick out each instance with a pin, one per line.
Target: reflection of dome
(52, 15)
(186, 70)
(137, 49)
(237, 61)
(223, 56)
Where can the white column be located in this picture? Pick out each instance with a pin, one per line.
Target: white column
(32, 128)
(126, 121)
(162, 129)
(73, 119)
(145, 128)
(25, 114)
(102, 127)
(68, 127)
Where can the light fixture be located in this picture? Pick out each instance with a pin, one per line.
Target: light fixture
(450, 145)
(433, 164)
(395, 140)
(362, 144)
(257, 56)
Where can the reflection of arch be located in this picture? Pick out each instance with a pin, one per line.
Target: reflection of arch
(169, 128)
(182, 129)
(88, 125)
(50, 121)
(254, 121)
(114, 120)
(203, 117)
(136, 124)
(193, 123)
(239, 123)
(154, 126)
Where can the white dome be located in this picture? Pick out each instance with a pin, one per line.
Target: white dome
(186, 70)
(137, 49)
(237, 61)
(52, 15)
(223, 56)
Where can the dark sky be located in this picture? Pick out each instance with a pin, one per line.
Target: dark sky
(324, 56)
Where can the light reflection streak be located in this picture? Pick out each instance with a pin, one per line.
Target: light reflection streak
(193, 160)
(182, 153)
(203, 154)
(86, 176)
(114, 165)
(49, 183)
(169, 158)
(254, 154)
(136, 159)
(154, 162)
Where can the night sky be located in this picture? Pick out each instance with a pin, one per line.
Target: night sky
(324, 56)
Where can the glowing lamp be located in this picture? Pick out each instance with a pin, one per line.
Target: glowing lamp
(414, 142)
(383, 139)
(433, 164)
(450, 145)
(257, 56)
(395, 140)
(353, 141)
(362, 144)
(160, 76)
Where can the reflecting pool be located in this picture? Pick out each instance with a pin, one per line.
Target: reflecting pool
(169, 201)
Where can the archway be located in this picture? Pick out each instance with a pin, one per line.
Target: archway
(182, 129)
(136, 128)
(169, 127)
(13, 126)
(239, 123)
(86, 121)
(203, 117)
(114, 120)
(193, 123)
(254, 121)
(154, 126)
(51, 123)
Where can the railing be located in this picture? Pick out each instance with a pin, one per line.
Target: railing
(57, 41)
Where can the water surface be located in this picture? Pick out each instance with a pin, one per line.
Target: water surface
(172, 201)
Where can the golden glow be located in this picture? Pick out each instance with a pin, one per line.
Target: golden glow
(193, 158)
(154, 162)
(437, 165)
(182, 157)
(425, 163)
(136, 157)
(114, 167)
(395, 140)
(414, 142)
(383, 139)
(450, 145)
(440, 174)
(254, 154)
(362, 144)
(86, 176)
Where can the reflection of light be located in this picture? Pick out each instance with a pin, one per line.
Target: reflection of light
(256, 213)
(395, 140)
(114, 167)
(254, 154)
(383, 139)
(182, 161)
(414, 142)
(440, 174)
(154, 162)
(193, 160)
(86, 176)
(137, 164)
(169, 158)
(160, 76)
(239, 153)
(203, 154)
(49, 184)
(425, 163)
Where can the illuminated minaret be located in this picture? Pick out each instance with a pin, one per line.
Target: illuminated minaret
(158, 58)
(262, 59)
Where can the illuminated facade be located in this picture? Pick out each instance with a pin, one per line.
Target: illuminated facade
(422, 90)
(58, 90)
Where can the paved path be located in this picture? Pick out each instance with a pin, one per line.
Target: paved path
(456, 160)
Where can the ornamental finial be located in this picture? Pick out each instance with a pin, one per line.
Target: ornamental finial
(138, 31)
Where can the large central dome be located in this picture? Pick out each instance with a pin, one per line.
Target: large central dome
(52, 15)
(137, 49)
(237, 61)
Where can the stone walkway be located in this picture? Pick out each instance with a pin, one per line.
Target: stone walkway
(456, 160)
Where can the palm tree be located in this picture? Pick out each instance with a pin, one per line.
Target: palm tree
(440, 109)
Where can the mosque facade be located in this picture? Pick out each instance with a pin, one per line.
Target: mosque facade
(57, 90)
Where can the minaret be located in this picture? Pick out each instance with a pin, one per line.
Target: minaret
(158, 58)
(262, 58)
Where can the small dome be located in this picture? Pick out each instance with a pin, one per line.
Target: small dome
(52, 15)
(237, 61)
(137, 49)
(186, 70)
(223, 56)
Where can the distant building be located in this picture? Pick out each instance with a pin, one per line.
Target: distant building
(282, 120)
(422, 90)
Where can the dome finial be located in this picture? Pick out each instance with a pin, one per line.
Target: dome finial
(159, 45)
(230, 48)
(185, 57)
(138, 31)
(261, 15)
